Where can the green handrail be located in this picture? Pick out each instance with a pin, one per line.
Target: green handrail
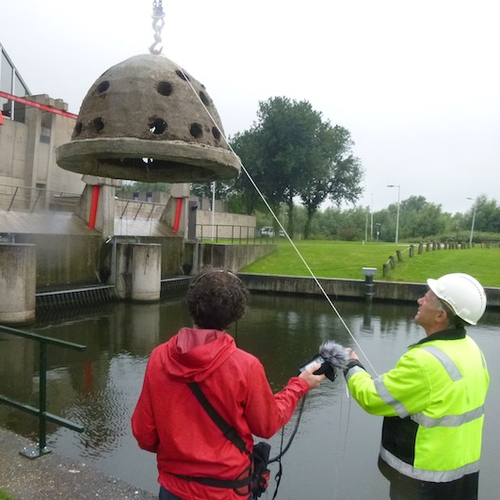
(41, 412)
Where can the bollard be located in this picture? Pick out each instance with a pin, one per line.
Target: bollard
(369, 273)
(411, 252)
(398, 254)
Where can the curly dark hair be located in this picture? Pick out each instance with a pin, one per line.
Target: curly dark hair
(216, 299)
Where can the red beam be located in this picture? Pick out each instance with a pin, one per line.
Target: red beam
(43, 107)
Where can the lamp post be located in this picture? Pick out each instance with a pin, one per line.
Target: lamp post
(473, 219)
(397, 213)
(371, 220)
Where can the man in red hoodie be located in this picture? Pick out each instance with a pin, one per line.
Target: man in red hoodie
(170, 421)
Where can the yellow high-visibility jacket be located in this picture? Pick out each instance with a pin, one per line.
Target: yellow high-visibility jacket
(433, 404)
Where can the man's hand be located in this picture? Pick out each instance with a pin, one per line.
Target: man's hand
(352, 354)
(310, 378)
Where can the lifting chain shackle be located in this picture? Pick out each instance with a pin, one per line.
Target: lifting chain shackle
(158, 24)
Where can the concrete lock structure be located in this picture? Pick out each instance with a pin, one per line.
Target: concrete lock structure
(17, 283)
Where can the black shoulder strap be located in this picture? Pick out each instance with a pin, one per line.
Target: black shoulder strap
(228, 431)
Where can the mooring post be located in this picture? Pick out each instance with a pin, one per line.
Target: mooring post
(369, 273)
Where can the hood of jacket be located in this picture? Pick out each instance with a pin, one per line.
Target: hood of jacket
(185, 359)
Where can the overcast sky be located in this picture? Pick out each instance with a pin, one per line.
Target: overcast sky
(417, 84)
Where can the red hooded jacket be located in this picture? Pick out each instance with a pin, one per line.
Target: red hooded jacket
(169, 421)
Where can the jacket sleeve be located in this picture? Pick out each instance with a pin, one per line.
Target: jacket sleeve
(266, 412)
(402, 391)
(143, 422)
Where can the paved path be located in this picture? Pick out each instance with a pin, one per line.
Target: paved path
(53, 477)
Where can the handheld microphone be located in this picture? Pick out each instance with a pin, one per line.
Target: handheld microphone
(332, 357)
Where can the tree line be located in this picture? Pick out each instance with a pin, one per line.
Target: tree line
(419, 220)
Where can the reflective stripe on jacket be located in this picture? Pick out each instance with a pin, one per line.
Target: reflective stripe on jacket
(433, 404)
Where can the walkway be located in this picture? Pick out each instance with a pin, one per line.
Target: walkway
(52, 476)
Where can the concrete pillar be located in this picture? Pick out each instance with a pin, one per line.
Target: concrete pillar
(17, 283)
(177, 191)
(146, 272)
(105, 219)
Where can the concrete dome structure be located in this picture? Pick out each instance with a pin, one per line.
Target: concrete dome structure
(146, 119)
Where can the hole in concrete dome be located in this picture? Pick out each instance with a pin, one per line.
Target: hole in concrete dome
(98, 124)
(216, 133)
(182, 75)
(102, 87)
(157, 126)
(196, 130)
(78, 129)
(204, 98)
(164, 88)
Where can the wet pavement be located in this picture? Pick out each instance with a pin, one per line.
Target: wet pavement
(53, 476)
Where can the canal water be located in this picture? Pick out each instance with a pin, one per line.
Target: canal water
(334, 452)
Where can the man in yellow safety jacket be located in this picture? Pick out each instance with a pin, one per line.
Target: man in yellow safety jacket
(433, 399)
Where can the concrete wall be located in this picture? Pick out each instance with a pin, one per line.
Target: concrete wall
(66, 260)
(383, 290)
(232, 257)
(227, 225)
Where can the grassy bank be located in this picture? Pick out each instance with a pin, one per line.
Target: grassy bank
(4, 496)
(336, 259)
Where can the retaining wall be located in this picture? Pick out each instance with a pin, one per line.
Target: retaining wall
(232, 257)
(382, 290)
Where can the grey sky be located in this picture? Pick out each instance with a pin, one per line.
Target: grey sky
(416, 83)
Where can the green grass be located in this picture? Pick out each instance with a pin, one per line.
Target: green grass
(334, 259)
(4, 496)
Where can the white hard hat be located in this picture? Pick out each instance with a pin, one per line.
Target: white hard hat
(463, 293)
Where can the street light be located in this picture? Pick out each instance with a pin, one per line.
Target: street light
(473, 219)
(397, 213)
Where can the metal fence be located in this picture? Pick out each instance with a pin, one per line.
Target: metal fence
(41, 412)
(29, 199)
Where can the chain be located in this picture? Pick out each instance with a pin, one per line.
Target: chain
(158, 24)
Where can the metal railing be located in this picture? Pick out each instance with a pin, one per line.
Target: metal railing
(41, 412)
(28, 198)
(139, 209)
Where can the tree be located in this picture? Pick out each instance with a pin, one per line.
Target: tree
(291, 152)
(337, 177)
(487, 215)
(420, 218)
(246, 145)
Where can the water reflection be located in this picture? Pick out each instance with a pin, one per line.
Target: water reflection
(334, 452)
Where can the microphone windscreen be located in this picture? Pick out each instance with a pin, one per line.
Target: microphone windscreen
(334, 353)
